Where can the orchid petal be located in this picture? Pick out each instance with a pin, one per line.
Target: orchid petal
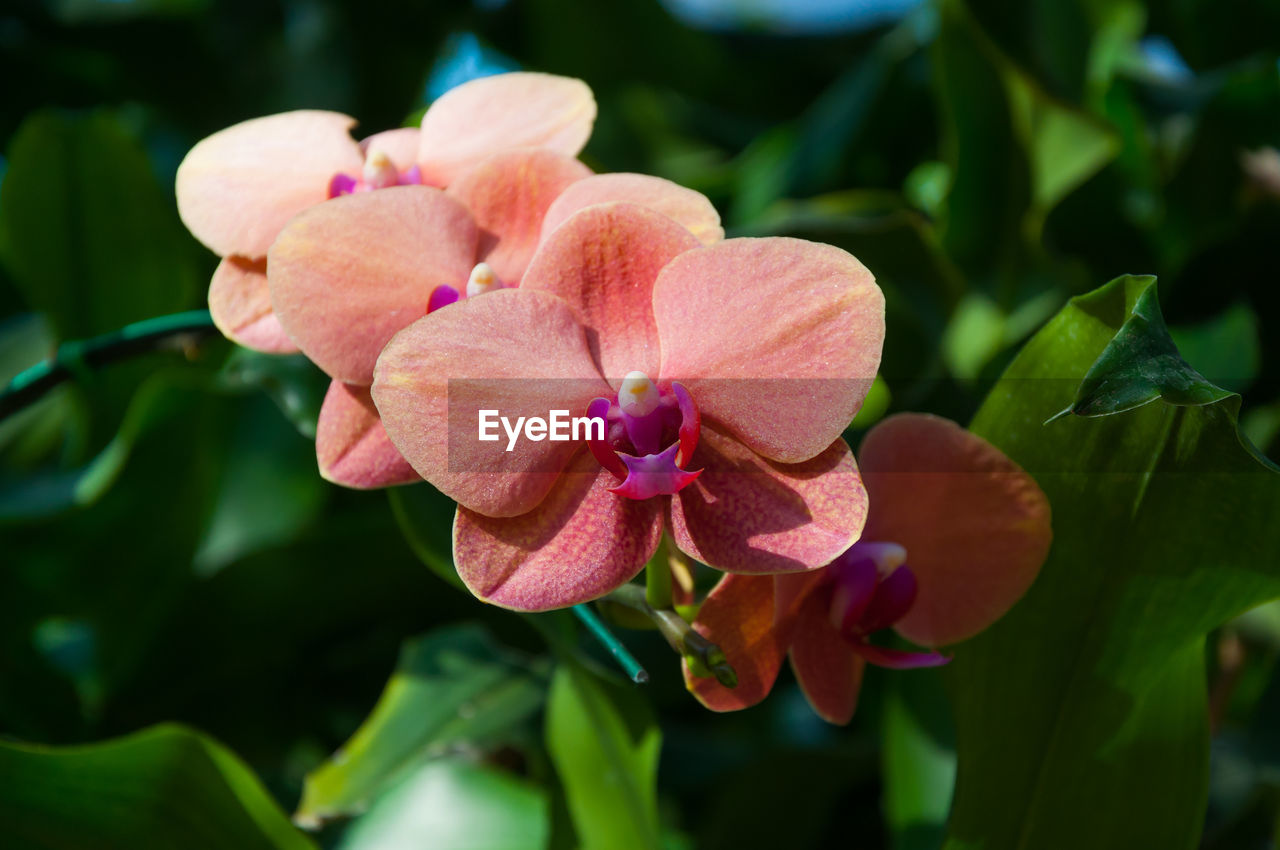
(508, 194)
(975, 526)
(604, 261)
(829, 672)
(352, 447)
(491, 114)
(239, 187)
(689, 208)
(401, 145)
(737, 616)
(241, 306)
(899, 659)
(348, 274)
(790, 590)
(778, 339)
(748, 514)
(577, 545)
(515, 352)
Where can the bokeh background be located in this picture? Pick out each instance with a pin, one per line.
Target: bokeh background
(168, 553)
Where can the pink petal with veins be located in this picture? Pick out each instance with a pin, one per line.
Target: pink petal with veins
(829, 672)
(578, 544)
(239, 187)
(777, 339)
(508, 194)
(689, 208)
(492, 114)
(241, 306)
(749, 514)
(975, 526)
(352, 447)
(347, 274)
(401, 145)
(512, 351)
(603, 261)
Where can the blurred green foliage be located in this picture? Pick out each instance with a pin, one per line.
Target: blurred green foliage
(168, 554)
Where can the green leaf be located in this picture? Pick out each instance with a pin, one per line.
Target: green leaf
(452, 686)
(91, 238)
(606, 753)
(1226, 349)
(454, 805)
(919, 759)
(1141, 364)
(163, 787)
(1081, 715)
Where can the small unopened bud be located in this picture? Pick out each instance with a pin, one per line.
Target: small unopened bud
(638, 396)
(482, 280)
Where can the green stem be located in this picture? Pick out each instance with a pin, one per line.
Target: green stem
(610, 642)
(657, 578)
(77, 356)
(704, 657)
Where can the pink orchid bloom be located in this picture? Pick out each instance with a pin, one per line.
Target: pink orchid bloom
(345, 276)
(724, 372)
(955, 535)
(238, 188)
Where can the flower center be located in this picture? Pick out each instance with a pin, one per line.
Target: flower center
(872, 588)
(650, 435)
(379, 172)
(482, 280)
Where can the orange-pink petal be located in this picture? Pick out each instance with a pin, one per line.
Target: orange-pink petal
(400, 144)
(603, 262)
(515, 352)
(508, 195)
(352, 447)
(748, 514)
(491, 114)
(778, 339)
(828, 670)
(348, 274)
(577, 545)
(975, 526)
(690, 208)
(241, 306)
(737, 616)
(239, 187)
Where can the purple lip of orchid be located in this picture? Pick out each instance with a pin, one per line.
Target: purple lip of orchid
(639, 421)
(379, 173)
(871, 589)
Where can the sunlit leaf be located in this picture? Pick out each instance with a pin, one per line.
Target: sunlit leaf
(606, 753)
(451, 687)
(1081, 715)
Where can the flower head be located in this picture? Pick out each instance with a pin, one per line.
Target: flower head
(238, 188)
(723, 374)
(955, 535)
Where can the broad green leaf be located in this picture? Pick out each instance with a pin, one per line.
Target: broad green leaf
(919, 759)
(163, 787)
(454, 805)
(1225, 349)
(1081, 715)
(451, 687)
(92, 239)
(607, 759)
(292, 381)
(425, 517)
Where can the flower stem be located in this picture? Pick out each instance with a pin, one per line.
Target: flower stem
(704, 657)
(78, 356)
(610, 642)
(657, 578)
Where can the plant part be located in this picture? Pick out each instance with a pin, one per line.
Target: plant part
(723, 419)
(956, 533)
(239, 187)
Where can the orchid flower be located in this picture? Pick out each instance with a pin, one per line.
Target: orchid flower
(345, 276)
(238, 188)
(723, 373)
(955, 535)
